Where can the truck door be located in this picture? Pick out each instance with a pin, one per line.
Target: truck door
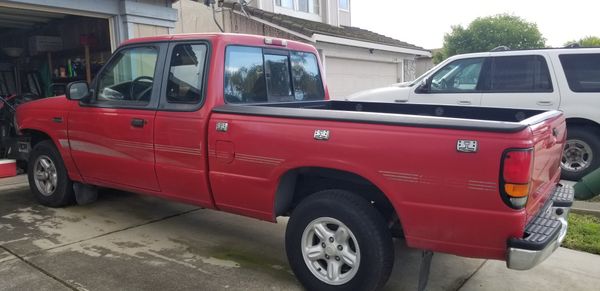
(180, 123)
(111, 135)
(457, 83)
(522, 81)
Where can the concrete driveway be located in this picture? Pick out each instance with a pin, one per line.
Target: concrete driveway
(131, 242)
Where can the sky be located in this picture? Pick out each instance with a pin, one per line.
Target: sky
(424, 23)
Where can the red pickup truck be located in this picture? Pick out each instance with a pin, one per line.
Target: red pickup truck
(243, 124)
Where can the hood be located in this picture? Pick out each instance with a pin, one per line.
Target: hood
(48, 103)
(384, 94)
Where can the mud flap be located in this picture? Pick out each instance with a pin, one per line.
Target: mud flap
(85, 194)
(426, 257)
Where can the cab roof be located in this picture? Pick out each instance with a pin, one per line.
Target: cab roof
(226, 39)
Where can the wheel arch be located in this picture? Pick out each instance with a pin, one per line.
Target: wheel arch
(37, 135)
(298, 183)
(583, 122)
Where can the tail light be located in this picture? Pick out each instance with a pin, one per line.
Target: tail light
(515, 177)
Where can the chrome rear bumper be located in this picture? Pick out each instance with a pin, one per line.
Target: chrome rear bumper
(544, 234)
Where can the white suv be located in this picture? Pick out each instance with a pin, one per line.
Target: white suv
(566, 79)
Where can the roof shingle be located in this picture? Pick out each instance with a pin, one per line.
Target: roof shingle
(308, 28)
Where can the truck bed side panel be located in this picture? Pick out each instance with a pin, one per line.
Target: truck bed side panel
(446, 200)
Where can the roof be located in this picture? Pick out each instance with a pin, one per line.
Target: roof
(309, 28)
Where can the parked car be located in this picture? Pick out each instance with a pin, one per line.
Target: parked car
(243, 124)
(565, 79)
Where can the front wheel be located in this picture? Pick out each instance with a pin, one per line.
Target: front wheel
(48, 178)
(336, 240)
(581, 154)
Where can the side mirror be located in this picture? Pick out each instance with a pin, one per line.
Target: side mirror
(77, 90)
(424, 85)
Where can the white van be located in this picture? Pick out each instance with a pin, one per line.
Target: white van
(566, 79)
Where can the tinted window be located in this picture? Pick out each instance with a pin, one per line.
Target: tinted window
(520, 74)
(244, 75)
(306, 76)
(186, 73)
(582, 71)
(458, 76)
(281, 76)
(277, 72)
(129, 77)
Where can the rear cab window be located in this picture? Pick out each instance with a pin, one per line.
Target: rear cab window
(582, 71)
(261, 75)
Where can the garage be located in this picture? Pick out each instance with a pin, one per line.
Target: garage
(43, 51)
(346, 76)
(44, 45)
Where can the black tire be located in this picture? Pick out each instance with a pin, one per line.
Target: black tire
(63, 193)
(591, 137)
(363, 221)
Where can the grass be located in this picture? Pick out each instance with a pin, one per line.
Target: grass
(583, 234)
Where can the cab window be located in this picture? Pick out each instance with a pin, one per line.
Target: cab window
(186, 74)
(257, 75)
(460, 76)
(129, 77)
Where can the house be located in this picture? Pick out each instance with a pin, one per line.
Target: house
(354, 59)
(45, 44)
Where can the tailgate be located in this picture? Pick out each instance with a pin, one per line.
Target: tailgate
(548, 139)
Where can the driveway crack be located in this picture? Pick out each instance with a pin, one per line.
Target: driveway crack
(462, 284)
(41, 270)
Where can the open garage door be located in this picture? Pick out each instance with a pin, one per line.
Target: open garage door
(43, 50)
(346, 76)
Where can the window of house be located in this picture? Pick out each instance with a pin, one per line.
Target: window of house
(344, 4)
(308, 6)
(129, 77)
(582, 71)
(520, 74)
(285, 3)
(458, 76)
(186, 73)
(254, 75)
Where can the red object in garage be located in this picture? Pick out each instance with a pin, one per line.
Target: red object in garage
(8, 168)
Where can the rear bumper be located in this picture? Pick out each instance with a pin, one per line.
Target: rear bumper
(544, 234)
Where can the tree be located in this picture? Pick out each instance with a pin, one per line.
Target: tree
(588, 41)
(486, 33)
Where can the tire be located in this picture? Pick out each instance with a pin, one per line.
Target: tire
(367, 238)
(48, 178)
(582, 153)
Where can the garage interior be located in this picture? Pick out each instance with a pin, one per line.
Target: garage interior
(41, 52)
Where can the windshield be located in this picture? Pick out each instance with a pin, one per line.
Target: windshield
(426, 74)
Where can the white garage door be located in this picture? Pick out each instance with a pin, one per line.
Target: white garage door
(345, 76)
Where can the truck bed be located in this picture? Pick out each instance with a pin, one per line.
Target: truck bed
(418, 115)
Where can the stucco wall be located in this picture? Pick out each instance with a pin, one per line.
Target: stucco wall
(194, 17)
(423, 65)
(144, 30)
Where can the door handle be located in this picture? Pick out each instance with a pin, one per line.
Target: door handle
(464, 102)
(544, 103)
(400, 101)
(138, 122)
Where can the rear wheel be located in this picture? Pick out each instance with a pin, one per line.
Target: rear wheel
(335, 240)
(48, 178)
(581, 154)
